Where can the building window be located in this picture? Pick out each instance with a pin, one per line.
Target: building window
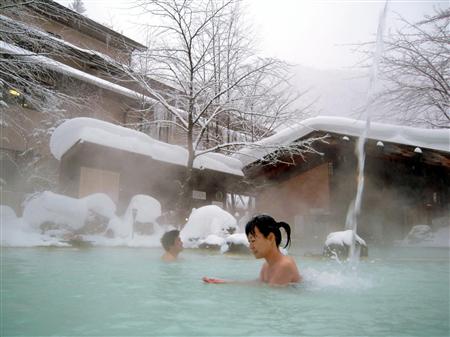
(163, 133)
(13, 96)
(9, 174)
(163, 123)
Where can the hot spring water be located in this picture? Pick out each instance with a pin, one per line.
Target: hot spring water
(123, 291)
(129, 291)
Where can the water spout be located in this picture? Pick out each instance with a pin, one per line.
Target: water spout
(355, 206)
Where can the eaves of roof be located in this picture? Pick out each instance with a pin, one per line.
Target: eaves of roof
(70, 18)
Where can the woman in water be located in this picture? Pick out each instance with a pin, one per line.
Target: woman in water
(264, 236)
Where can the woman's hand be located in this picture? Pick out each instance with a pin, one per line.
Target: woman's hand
(213, 280)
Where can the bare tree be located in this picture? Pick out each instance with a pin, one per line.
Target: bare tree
(416, 71)
(15, 4)
(26, 86)
(32, 96)
(224, 94)
(77, 6)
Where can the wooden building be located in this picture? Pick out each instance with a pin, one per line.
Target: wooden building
(97, 156)
(88, 64)
(69, 55)
(406, 179)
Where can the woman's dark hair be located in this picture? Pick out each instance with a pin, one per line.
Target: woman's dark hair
(266, 225)
(168, 239)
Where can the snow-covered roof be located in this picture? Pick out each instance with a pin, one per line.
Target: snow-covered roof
(91, 79)
(118, 137)
(94, 80)
(39, 33)
(72, 72)
(71, 18)
(436, 139)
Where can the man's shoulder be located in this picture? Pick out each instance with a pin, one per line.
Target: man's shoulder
(168, 257)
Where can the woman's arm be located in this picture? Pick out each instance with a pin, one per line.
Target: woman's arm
(221, 281)
(214, 280)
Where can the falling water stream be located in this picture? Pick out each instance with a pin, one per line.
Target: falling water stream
(355, 206)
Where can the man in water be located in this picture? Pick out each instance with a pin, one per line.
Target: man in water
(172, 244)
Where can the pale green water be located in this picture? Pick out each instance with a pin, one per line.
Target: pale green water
(129, 292)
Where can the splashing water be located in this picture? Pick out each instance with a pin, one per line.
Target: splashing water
(355, 206)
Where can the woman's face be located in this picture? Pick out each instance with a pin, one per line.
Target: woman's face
(260, 245)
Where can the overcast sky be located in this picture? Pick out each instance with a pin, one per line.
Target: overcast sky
(318, 33)
(314, 33)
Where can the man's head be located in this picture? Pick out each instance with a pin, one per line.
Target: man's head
(171, 241)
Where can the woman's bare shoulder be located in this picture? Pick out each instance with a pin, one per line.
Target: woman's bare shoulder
(288, 261)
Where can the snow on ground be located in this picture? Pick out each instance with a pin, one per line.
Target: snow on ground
(103, 133)
(7, 213)
(54, 219)
(51, 219)
(17, 233)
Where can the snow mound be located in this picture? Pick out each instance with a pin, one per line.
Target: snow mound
(139, 218)
(206, 221)
(49, 207)
(148, 209)
(343, 238)
(423, 236)
(7, 213)
(16, 233)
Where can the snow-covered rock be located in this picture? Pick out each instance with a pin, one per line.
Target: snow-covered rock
(139, 218)
(423, 236)
(208, 227)
(51, 219)
(49, 211)
(339, 243)
(419, 233)
(7, 213)
(16, 233)
(207, 220)
(234, 243)
(237, 243)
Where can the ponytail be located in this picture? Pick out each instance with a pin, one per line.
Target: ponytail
(287, 228)
(266, 225)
